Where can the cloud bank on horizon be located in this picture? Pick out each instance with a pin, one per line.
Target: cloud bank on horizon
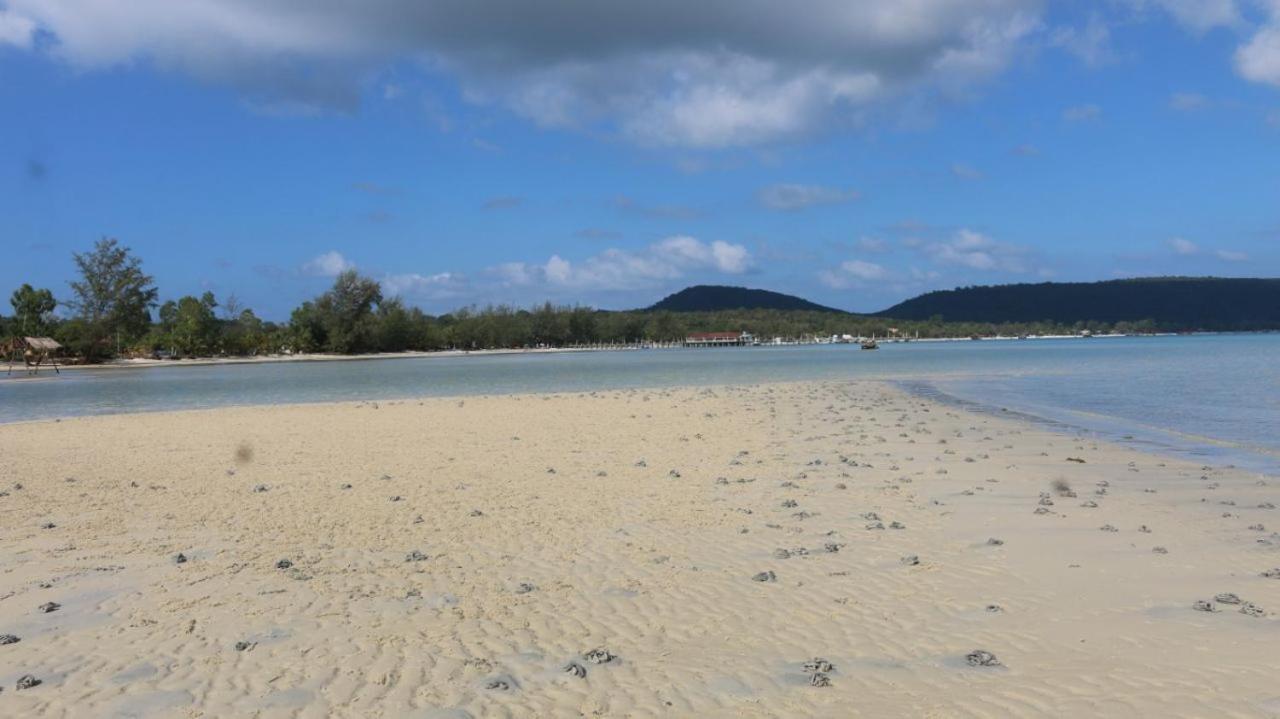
(700, 86)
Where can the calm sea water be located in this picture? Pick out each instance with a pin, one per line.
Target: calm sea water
(1211, 396)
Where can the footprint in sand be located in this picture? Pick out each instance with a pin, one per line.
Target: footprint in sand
(1252, 610)
(981, 658)
(599, 656)
(27, 681)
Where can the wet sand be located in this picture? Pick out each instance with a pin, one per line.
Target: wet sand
(810, 549)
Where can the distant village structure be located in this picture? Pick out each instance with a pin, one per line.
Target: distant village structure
(719, 339)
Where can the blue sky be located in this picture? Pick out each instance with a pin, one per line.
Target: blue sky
(497, 151)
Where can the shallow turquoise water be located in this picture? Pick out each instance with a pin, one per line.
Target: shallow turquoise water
(1216, 396)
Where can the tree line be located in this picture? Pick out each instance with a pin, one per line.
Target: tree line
(113, 311)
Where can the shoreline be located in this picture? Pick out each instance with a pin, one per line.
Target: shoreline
(1125, 435)
(408, 354)
(1130, 434)
(319, 357)
(1121, 432)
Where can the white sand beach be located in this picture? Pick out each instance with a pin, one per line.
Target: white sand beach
(464, 557)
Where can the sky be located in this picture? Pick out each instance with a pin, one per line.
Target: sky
(607, 153)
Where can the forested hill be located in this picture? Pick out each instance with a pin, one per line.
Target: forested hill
(1172, 303)
(717, 298)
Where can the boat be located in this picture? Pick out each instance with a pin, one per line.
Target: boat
(870, 345)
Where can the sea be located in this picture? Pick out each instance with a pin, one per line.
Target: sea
(1214, 397)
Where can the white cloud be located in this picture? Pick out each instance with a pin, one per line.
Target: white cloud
(1082, 113)
(976, 251)
(1256, 59)
(1259, 59)
(15, 29)
(853, 273)
(617, 269)
(965, 172)
(1091, 43)
(439, 286)
(1196, 15)
(715, 73)
(1232, 256)
(686, 252)
(789, 197)
(729, 258)
(735, 100)
(919, 275)
(329, 264)
(1182, 246)
(711, 74)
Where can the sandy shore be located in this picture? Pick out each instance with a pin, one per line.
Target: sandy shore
(145, 363)
(462, 558)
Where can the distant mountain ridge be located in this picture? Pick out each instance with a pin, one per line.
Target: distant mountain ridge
(717, 298)
(1167, 303)
(1209, 303)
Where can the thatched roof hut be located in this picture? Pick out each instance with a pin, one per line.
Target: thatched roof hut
(35, 351)
(41, 344)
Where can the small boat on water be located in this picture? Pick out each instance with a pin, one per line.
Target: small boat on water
(870, 345)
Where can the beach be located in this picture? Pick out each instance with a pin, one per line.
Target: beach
(826, 549)
(20, 372)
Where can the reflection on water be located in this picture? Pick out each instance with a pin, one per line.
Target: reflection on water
(1207, 389)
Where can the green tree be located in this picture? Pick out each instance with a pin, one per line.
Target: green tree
(666, 327)
(244, 334)
(112, 299)
(583, 326)
(394, 326)
(347, 310)
(306, 329)
(550, 325)
(340, 320)
(195, 327)
(32, 309)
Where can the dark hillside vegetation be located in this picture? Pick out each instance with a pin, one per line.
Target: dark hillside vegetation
(1170, 303)
(716, 298)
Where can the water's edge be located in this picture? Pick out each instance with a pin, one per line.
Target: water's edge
(1150, 440)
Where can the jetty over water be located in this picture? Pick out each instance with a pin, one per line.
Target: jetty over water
(719, 339)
